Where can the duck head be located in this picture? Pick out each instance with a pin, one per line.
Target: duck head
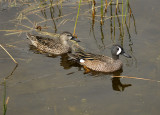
(65, 36)
(118, 50)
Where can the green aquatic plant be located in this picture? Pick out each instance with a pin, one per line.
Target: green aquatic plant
(5, 100)
(77, 17)
(122, 13)
(126, 9)
(101, 12)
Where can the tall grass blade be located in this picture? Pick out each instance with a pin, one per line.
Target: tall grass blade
(122, 13)
(106, 6)
(77, 17)
(5, 101)
(114, 27)
(93, 11)
(116, 6)
(126, 10)
(122, 22)
(101, 12)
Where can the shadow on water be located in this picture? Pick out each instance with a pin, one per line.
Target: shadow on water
(116, 83)
(118, 86)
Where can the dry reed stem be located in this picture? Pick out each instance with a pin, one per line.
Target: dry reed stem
(24, 26)
(136, 78)
(8, 54)
(33, 9)
(86, 12)
(116, 6)
(106, 5)
(14, 31)
(7, 100)
(11, 72)
(93, 8)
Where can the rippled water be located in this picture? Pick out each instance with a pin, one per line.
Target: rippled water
(54, 85)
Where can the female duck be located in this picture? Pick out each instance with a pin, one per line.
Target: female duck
(54, 46)
(100, 62)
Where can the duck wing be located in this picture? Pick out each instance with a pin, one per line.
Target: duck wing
(105, 59)
(91, 57)
(44, 41)
(47, 41)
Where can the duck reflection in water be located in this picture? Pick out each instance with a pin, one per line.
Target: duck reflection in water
(116, 83)
(64, 59)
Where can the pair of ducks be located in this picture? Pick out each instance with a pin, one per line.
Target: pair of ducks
(92, 61)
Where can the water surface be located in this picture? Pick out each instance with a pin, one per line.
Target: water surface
(54, 85)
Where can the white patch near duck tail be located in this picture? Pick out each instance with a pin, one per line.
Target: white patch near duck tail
(82, 61)
(119, 50)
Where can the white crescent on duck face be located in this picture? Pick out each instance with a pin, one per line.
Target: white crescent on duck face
(119, 50)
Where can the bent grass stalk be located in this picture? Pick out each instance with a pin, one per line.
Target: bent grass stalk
(77, 17)
(8, 54)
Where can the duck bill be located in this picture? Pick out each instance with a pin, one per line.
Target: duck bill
(126, 55)
(75, 39)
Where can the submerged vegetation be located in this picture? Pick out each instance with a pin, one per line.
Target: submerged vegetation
(117, 12)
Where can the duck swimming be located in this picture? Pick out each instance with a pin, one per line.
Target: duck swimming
(54, 46)
(100, 62)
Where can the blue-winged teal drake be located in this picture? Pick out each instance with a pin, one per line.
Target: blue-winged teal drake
(54, 46)
(100, 62)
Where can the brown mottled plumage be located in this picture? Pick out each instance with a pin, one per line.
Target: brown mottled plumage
(100, 62)
(55, 46)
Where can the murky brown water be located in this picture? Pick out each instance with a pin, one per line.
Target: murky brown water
(54, 85)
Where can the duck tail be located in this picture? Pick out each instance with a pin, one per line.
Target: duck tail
(31, 37)
(74, 57)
